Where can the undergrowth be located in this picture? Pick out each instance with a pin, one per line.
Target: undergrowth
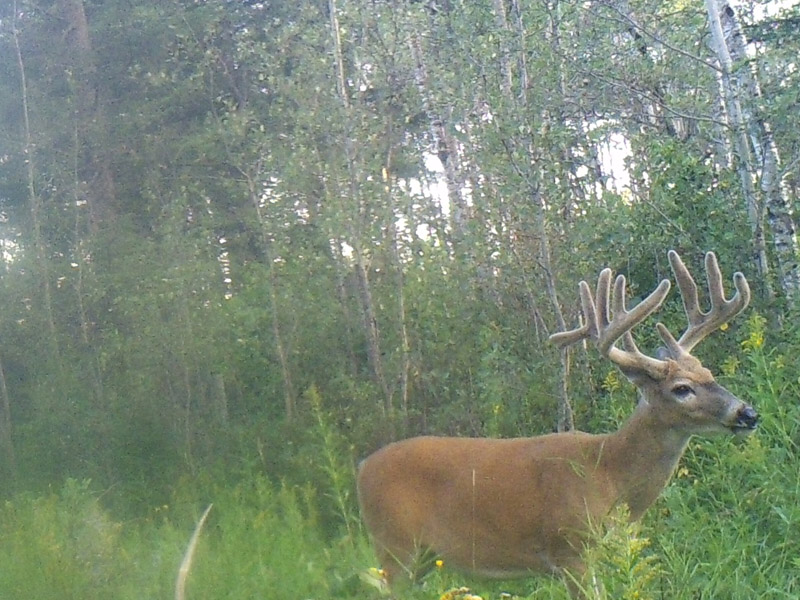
(727, 526)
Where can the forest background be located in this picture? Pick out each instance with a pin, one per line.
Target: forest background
(244, 244)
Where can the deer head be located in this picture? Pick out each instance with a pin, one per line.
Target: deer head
(509, 507)
(689, 398)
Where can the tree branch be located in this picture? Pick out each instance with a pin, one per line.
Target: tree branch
(627, 20)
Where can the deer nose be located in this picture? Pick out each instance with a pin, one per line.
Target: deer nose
(747, 417)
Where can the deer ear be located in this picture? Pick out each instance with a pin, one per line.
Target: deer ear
(663, 353)
(638, 377)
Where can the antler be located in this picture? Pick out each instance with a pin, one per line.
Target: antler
(701, 324)
(606, 331)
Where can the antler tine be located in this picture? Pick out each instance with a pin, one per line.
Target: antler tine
(625, 320)
(606, 331)
(602, 296)
(619, 308)
(622, 324)
(595, 313)
(701, 324)
(615, 328)
(588, 329)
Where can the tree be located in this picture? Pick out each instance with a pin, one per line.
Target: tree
(755, 145)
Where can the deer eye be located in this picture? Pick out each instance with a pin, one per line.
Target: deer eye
(682, 391)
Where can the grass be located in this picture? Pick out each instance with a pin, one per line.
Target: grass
(259, 542)
(716, 533)
(728, 526)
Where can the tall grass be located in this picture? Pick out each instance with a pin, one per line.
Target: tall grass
(260, 541)
(728, 526)
(57, 546)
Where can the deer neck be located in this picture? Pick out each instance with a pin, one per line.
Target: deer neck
(644, 452)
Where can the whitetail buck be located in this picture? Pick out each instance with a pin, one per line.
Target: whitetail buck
(508, 507)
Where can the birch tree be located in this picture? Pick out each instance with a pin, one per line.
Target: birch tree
(444, 144)
(756, 152)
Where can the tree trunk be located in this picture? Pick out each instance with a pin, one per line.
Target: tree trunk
(220, 398)
(506, 76)
(405, 343)
(6, 428)
(94, 165)
(743, 155)
(34, 201)
(655, 97)
(565, 420)
(445, 148)
(372, 331)
(289, 394)
(776, 201)
(564, 415)
(361, 271)
(187, 406)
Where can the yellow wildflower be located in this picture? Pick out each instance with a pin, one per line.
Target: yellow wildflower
(461, 593)
(611, 382)
(376, 578)
(754, 341)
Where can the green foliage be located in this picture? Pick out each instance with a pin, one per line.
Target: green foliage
(737, 499)
(185, 260)
(618, 564)
(62, 545)
(334, 465)
(689, 203)
(261, 541)
(726, 526)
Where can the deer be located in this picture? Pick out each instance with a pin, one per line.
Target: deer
(506, 508)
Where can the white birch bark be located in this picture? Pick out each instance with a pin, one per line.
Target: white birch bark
(779, 215)
(369, 313)
(445, 146)
(741, 144)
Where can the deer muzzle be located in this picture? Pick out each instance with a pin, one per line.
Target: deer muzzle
(746, 420)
